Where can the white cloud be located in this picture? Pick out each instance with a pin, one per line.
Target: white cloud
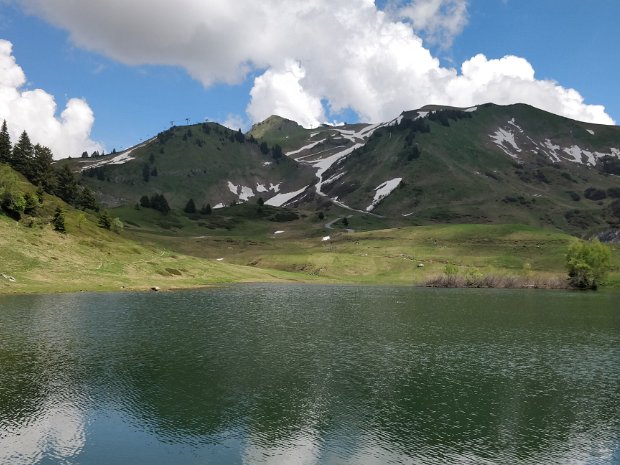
(347, 54)
(439, 20)
(34, 111)
(281, 93)
(235, 122)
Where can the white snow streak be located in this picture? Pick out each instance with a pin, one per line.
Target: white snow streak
(306, 147)
(382, 191)
(590, 131)
(119, 159)
(281, 199)
(470, 110)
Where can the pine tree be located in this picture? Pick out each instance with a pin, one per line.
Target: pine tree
(190, 207)
(105, 220)
(58, 222)
(67, 188)
(42, 173)
(206, 209)
(5, 144)
(88, 200)
(23, 155)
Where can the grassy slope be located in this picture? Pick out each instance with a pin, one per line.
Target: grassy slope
(369, 255)
(88, 257)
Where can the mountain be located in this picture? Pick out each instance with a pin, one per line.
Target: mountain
(437, 164)
(204, 162)
(485, 164)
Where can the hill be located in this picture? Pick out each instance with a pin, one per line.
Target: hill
(204, 162)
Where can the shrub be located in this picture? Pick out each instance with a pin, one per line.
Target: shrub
(587, 263)
(592, 193)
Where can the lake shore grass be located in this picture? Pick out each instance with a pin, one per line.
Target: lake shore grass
(40, 260)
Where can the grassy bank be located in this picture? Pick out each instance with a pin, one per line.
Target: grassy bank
(91, 259)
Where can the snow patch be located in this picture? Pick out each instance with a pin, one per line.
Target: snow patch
(590, 131)
(119, 159)
(503, 136)
(470, 110)
(553, 150)
(423, 114)
(274, 188)
(279, 232)
(334, 178)
(382, 191)
(246, 193)
(280, 199)
(513, 123)
(218, 206)
(267, 163)
(261, 188)
(305, 147)
(326, 238)
(232, 188)
(408, 214)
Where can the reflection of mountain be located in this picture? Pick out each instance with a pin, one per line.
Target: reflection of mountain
(327, 374)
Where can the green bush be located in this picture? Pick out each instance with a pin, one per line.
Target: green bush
(587, 263)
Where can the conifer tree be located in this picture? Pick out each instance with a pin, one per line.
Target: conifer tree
(42, 173)
(67, 188)
(58, 222)
(190, 207)
(23, 154)
(5, 144)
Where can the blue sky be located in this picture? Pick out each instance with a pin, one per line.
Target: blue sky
(572, 42)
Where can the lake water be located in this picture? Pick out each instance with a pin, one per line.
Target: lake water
(282, 374)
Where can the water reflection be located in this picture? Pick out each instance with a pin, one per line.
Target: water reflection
(284, 374)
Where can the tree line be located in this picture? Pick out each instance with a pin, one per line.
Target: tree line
(34, 161)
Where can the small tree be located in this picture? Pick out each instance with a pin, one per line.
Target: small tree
(260, 202)
(145, 201)
(190, 206)
(587, 263)
(345, 222)
(206, 209)
(58, 221)
(105, 220)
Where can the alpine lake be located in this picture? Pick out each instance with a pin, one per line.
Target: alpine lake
(303, 374)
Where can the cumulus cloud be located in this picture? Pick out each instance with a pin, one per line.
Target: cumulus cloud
(235, 122)
(439, 20)
(314, 55)
(35, 112)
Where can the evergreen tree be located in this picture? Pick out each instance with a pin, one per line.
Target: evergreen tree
(260, 202)
(67, 187)
(190, 207)
(159, 203)
(105, 220)
(145, 201)
(42, 173)
(58, 222)
(5, 144)
(276, 153)
(87, 199)
(146, 172)
(264, 148)
(31, 203)
(23, 154)
(206, 209)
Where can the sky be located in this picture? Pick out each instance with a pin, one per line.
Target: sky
(86, 75)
